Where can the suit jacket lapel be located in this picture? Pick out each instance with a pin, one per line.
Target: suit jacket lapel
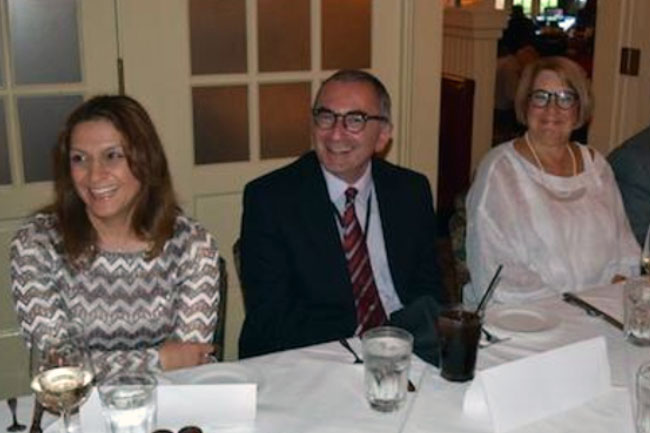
(392, 222)
(318, 219)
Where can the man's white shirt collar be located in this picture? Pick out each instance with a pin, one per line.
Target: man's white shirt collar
(336, 187)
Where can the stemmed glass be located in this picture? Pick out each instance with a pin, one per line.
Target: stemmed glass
(645, 255)
(61, 368)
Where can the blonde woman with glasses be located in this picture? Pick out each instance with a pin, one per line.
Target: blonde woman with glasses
(546, 207)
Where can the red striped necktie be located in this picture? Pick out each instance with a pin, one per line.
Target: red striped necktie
(370, 312)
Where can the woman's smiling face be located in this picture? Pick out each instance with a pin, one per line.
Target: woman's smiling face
(101, 174)
(551, 122)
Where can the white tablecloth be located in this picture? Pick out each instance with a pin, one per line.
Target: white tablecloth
(315, 389)
(318, 389)
(438, 404)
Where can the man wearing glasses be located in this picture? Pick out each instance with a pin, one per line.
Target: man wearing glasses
(338, 241)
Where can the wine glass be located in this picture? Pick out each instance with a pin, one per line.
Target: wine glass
(61, 368)
(645, 255)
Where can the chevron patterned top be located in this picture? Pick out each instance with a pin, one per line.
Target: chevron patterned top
(128, 305)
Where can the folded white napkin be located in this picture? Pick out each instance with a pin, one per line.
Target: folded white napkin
(608, 413)
(206, 406)
(530, 389)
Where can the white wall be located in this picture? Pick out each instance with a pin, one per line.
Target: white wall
(622, 103)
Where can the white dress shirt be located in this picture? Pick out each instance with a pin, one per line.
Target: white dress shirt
(375, 235)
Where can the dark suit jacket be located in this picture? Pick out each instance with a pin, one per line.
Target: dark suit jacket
(631, 165)
(296, 286)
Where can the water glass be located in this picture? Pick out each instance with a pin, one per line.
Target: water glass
(387, 360)
(129, 402)
(643, 399)
(636, 300)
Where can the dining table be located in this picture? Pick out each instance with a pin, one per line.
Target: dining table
(320, 388)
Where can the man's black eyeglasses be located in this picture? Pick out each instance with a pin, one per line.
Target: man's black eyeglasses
(353, 121)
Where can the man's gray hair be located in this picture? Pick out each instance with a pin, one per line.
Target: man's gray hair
(358, 76)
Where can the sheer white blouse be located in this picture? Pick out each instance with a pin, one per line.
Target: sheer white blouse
(552, 234)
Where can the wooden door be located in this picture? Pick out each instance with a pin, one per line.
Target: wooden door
(53, 55)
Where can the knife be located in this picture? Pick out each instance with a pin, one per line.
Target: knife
(344, 342)
(590, 309)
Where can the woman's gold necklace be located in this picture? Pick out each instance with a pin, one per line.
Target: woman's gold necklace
(539, 162)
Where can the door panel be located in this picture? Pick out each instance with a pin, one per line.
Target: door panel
(97, 51)
(26, 186)
(14, 374)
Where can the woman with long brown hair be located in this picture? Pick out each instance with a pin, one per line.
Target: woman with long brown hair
(114, 250)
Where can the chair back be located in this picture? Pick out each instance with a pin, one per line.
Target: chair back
(220, 330)
(236, 254)
(458, 233)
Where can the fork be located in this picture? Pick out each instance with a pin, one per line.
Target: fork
(349, 348)
(491, 338)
